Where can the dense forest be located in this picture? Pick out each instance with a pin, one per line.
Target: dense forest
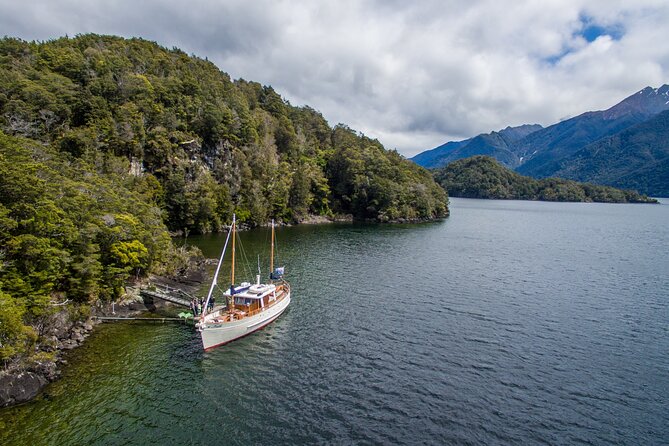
(108, 144)
(483, 177)
(69, 234)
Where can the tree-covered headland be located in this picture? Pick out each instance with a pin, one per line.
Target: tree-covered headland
(108, 144)
(484, 177)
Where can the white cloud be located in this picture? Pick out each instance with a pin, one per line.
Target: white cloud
(413, 74)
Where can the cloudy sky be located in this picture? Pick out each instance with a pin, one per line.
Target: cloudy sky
(413, 74)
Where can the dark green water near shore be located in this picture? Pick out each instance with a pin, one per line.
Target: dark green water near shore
(510, 322)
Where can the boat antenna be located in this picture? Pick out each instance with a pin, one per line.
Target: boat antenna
(218, 268)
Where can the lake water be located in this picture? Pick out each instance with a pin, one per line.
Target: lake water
(508, 323)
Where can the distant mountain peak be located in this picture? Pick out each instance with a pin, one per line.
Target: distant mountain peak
(646, 102)
(663, 90)
(495, 144)
(513, 134)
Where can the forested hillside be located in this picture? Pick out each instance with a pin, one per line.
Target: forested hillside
(543, 151)
(214, 145)
(108, 143)
(484, 177)
(68, 234)
(636, 158)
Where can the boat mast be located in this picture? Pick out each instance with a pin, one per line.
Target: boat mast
(214, 281)
(232, 279)
(231, 302)
(271, 257)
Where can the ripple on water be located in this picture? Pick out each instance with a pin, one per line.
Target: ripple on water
(509, 323)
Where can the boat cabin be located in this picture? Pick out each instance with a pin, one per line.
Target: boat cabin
(249, 298)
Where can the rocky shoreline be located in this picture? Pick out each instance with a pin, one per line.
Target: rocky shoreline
(21, 383)
(67, 329)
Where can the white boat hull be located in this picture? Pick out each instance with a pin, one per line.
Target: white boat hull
(214, 335)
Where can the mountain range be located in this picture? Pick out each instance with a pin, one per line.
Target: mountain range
(498, 145)
(623, 146)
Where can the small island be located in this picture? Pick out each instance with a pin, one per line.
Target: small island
(483, 177)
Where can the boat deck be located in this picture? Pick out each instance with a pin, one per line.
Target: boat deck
(221, 314)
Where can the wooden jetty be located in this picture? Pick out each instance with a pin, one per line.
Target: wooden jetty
(169, 294)
(148, 319)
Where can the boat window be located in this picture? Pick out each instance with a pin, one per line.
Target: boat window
(241, 301)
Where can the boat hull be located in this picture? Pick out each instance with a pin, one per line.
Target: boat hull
(220, 334)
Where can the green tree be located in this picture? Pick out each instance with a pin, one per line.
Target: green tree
(15, 337)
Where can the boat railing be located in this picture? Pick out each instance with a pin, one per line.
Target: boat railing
(281, 283)
(285, 287)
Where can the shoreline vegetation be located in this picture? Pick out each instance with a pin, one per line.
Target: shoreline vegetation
(110, 145)
(483, 177)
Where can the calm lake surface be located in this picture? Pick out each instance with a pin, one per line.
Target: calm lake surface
(508, 323)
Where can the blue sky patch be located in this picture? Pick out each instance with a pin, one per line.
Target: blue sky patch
(591, 30)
